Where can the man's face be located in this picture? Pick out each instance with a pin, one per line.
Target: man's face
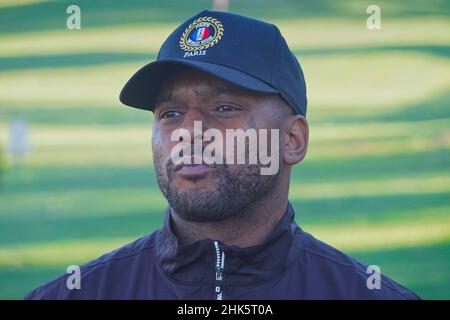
(206, 193)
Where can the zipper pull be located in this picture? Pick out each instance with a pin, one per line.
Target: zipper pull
(220, 263)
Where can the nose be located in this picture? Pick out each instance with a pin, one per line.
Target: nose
(196, 122)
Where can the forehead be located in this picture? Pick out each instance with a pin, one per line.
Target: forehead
(191, 81)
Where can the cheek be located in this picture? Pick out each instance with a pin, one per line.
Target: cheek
(157, 145)
(162, 145)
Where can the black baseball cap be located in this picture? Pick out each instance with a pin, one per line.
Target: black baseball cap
(246, 52)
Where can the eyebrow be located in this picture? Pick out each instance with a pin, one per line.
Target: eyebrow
(162, 98)
(216, 91)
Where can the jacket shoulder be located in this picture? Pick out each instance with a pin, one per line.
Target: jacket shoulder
(345, 276)
(96, 271)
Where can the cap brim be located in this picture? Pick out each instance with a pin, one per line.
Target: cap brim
(142, 89)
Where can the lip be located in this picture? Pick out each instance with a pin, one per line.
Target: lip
(192, 170)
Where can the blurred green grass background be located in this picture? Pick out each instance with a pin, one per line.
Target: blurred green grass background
(375, 182)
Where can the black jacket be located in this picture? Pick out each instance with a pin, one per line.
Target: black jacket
(291, 264)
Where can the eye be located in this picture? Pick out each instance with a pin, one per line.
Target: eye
(226, 108)
(169, 114)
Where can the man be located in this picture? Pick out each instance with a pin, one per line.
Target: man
(229, 232)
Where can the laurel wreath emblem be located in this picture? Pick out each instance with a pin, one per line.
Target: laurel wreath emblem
(219, 33)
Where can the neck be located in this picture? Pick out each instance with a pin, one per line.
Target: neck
(247, 229)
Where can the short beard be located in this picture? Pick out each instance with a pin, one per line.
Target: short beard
(233, 194)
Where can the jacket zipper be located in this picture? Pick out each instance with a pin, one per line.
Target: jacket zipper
(220, 263)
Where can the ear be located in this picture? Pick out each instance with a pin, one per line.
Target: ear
(296, 139)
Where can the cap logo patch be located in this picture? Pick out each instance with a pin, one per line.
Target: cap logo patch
(201, 34)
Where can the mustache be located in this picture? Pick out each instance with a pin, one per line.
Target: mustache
(171, 166)
(193, 158)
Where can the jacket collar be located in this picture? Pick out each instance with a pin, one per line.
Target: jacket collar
(195, 263)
